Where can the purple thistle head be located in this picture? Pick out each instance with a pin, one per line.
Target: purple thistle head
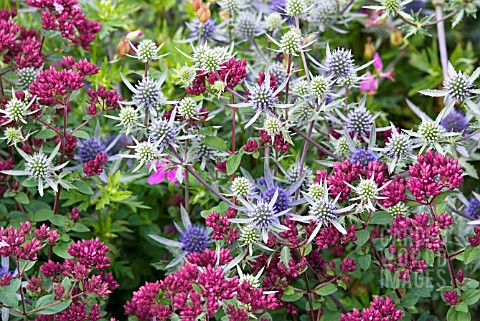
(195, 239)
(363, 156)
(455, 121)
(473, 208)
(208, 29)
(360, 121)
(282, 202)
(88, 150)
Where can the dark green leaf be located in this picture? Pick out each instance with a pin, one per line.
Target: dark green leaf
(46, 133)
(79, 227)
(215, 142)
(364, 261)
(471, 254)
(380, 218)
(454, 315)
(233, 162)
(326, 289)
(60, 249)
(409, 300)
(42, 215)
(22, 198)
(83, 187)
(362, 237)
(81, 134)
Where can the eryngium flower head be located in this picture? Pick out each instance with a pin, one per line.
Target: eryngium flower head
(360, 122)
(458, 85)
(162, 132)
(88, 150)
(282, 203)
(146, 152)
(147, 51)
(16, 110)
(207, 31)
(325, 14)
(194, 239)
(211, 60)
(13, 135)
(430, 131)
(128, 116)
(278, 70)
(187, 107)
(340, 63)
(293, 175)
(148, 93)
(455, 121)
(363, 156)
(342, 147)
(247, 25)
(273, 21)
(241, 187)
(301, 88)
(398, 145)
(263, 97)
(272, 126)
(323, 211)
(473, 208)
(230, 5)
(26, 76)
(249, 235)
(392, 6)
(316, 191)
(367, 189)
(186, 76)
(319, 86)
(295, 7)
(39, 166)
(398, 209)
(263, 215)
(291, 41)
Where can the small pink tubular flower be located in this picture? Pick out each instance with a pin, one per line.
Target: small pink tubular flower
(162, 172)
(369, 83)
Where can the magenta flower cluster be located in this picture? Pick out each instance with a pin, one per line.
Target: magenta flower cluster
(199, 287)
(67, 17)
(381, 309)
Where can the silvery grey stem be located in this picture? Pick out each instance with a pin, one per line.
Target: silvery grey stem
(442, 44)
(190, 169)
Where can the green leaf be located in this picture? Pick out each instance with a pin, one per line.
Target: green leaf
(233, 162)
(8, 293)
(58, 220)
(380, 218)
(454, 315)
(326, 289)
(48, 300)
(83, 187)
(81, 134)
(471, 254)
(428, 256)
(471, 296)
(285, 255)
(364, 261)
(79, 227)
(362, 237)
(292, 297)
(46, 133)
(42, 215)
(409, 300)
(22, 198)
(215, 142)
(60, 249)
(461, 307)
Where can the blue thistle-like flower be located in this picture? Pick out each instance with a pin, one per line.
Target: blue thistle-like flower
(148, 93)
(88, 149)
(263, 97)
(360, 121)
(458, 85)
(363, 156)
(282, 203)
(194, 239)
(340, 63)
(473, 208)
(455, 121)
(208, 30)
(163, 132)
